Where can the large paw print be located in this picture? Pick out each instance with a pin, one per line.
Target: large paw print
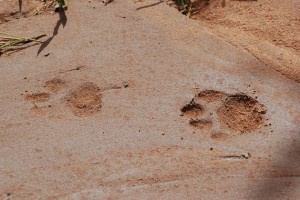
(224, 114)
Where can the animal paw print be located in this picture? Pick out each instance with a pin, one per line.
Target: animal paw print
(83, 100)
(224, 114)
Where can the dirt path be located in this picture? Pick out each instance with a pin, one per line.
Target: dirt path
(127, 103)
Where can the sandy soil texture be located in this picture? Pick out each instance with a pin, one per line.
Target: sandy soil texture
(268, 29)
(133, 100)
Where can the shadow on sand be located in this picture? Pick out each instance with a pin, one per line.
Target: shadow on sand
(62, 21)
(280, 180)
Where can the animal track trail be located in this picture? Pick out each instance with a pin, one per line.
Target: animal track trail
(203, 124)
(83, 100)
(241, 113)
(55, 85)
(224, 115)
(209, 96)
(192, 109)
(38, 97)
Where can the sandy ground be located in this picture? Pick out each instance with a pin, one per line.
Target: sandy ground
(128, 101)
(268, 29)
